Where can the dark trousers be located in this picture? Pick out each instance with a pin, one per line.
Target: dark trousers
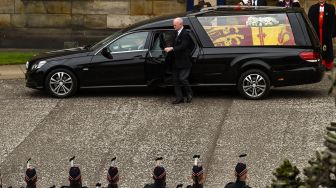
(181, 82)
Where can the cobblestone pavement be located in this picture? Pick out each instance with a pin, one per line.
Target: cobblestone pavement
(138, 125)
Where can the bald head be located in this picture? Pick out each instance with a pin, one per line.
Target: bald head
(178, 23)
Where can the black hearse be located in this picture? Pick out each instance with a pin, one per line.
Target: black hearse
(250, 48)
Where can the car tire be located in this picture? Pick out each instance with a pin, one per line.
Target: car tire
(254, 84)
(61, 83)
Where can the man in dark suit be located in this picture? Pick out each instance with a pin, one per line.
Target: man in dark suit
(322, 16)
(182, 48)
(259, 3)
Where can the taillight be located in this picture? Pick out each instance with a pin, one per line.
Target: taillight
(312, 57)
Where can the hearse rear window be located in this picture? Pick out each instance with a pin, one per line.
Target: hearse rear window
(249, 30)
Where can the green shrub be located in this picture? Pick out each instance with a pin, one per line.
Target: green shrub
(321, 171)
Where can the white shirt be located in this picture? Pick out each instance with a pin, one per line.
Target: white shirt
(179, 31)
(255, 2)
(322, 8)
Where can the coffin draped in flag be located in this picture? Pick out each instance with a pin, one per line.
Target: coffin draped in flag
(249, 30)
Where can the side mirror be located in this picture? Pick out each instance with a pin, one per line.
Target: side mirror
(107, 53)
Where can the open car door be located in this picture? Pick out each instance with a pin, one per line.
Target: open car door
(158, 62)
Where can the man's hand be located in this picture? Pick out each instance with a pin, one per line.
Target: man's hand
(168, 49)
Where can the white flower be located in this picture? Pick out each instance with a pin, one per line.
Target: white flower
(261, 21)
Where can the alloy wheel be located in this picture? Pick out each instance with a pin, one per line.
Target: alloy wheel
(61, 83)
(254, 85)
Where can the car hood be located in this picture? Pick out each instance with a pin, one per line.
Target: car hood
(61, 54)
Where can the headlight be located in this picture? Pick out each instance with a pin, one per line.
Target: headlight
(27, 65)
(38, 65)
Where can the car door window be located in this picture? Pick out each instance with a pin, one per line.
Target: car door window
(161, 40)
(130, 42)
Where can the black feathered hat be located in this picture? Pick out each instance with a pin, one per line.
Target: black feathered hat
(113, 173)
(241, 168)
(74, 172)
(30, 176)
(159, 172)
(197, 169)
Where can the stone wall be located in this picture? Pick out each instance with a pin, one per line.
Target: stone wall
(23, 22)
(91, 14)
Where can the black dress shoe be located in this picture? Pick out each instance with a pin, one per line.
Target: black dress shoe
(189, 98)
(177, 101)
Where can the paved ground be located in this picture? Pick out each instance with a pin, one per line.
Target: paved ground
(12, 71)
(137, 126)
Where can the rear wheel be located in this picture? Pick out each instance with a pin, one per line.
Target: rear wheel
(254, 84)
(61, 83)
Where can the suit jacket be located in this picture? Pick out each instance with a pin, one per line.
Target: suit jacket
(182, 48)
(260, 2)
(328, 27)
(334, 34)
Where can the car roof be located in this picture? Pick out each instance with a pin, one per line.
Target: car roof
(164, 22)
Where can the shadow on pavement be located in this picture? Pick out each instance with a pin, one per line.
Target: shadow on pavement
(294, 93)
(277, 93)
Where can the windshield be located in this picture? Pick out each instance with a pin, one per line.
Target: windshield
(106, 40)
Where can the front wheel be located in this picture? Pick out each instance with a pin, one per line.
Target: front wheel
(254, 84)
(61, 83)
